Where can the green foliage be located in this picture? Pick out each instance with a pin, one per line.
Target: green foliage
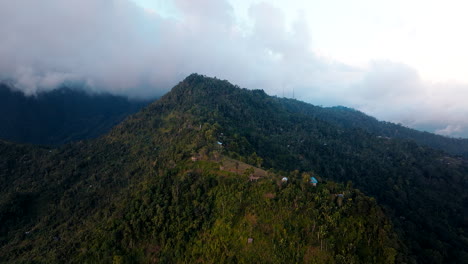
(135, 195)
(194, 212)
(410, 181)
(350, 118)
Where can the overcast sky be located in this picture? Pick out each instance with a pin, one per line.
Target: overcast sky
(398, 60)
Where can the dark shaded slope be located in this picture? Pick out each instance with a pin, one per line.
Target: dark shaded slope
(60, 116)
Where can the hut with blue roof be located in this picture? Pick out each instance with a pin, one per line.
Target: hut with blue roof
(313, 181)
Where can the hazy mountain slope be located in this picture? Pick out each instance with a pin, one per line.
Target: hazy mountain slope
(351, 118)
(60, 116)
(135, 196)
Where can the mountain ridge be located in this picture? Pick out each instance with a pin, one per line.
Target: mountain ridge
(54, 118)
(349, 117)
(353, 118)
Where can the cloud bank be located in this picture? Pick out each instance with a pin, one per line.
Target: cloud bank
(118, 47)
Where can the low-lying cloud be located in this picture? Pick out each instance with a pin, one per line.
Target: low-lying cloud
(395, 92)
(118, 47)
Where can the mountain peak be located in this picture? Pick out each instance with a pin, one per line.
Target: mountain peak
(197, 89)
(199, 82)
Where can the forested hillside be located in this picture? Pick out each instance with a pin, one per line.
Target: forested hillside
(136, 196)
(350, 118)
(158, 188)
(60, 116)
(411, 181)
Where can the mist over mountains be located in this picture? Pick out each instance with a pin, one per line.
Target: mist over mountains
(121, 48)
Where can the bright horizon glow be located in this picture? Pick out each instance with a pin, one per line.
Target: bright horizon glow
(428, 35)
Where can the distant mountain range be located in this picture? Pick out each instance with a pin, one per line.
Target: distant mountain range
(348, 117)
(60, 116)
(197, 176)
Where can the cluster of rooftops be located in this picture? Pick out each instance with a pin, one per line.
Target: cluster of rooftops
(312, 180)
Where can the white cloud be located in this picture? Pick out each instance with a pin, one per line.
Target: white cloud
(119, 47)
(449, 130)
(395, 92)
